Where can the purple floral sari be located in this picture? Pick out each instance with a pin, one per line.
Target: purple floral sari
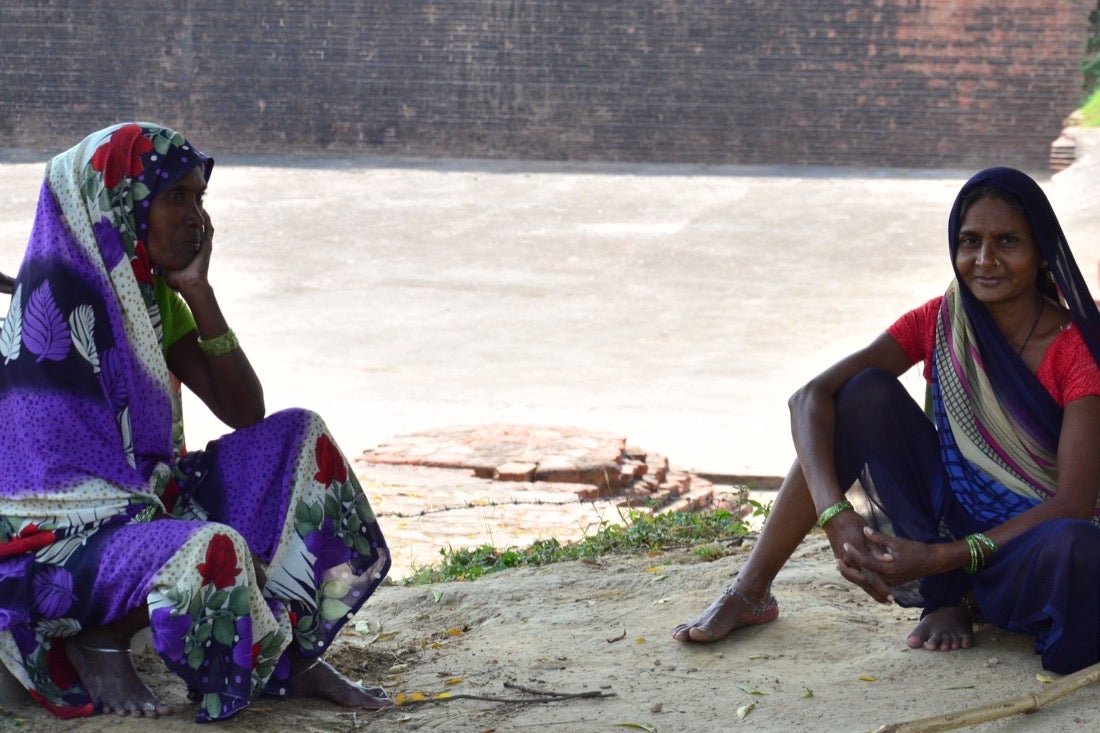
(101, 510)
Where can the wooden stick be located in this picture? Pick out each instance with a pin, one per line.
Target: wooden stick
(1028, 702)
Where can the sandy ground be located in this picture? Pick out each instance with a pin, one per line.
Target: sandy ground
(833, 661)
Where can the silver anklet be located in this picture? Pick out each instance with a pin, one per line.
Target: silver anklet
(756, 608)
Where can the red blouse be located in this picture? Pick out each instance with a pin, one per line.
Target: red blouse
(1067, 370)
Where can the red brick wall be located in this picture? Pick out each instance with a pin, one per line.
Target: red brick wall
(925, 83)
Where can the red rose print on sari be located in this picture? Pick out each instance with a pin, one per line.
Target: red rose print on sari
(61, 670)
(121, 155)
(330, 463)
(220, 567)
(143, 271)
(171, 495)
(29, 539)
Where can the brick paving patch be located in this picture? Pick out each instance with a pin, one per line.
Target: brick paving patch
(593, 465)
(509, 485)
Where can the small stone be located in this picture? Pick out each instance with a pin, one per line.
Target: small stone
(515, 471)
(655, 707)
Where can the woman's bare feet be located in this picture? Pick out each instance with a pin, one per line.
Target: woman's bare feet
(731, 610)
(318, 678)
(107, 672)
(945, 629)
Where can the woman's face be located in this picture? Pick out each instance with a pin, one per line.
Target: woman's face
(997, 257)
(176, 222)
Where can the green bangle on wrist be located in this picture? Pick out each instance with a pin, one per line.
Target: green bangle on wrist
(978, 543)
(219, 345)
(840, 506)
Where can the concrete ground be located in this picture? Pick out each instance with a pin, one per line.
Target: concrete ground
(678, 306)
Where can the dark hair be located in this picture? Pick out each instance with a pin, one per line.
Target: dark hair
(1044, 280)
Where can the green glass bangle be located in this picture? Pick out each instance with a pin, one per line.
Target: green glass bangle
(977, 544)
(832, 511)
(220, 345)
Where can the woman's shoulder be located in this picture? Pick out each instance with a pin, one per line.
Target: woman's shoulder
(1068, 369)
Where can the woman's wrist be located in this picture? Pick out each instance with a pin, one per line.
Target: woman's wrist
(831, 511)
(220, 345)
(978, 548)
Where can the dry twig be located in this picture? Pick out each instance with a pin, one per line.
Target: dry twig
(532, 696)
(1028, 702)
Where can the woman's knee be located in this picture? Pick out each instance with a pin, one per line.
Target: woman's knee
(869, 390)
(1074, 543)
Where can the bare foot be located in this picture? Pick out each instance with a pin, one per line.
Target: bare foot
(731, 610)
(944, 629)
(108, 674)
(318, 678)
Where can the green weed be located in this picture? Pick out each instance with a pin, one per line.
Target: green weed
(713, 533)
(1090, 112)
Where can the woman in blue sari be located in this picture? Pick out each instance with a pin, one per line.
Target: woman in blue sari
(988, 510)
(245, 558)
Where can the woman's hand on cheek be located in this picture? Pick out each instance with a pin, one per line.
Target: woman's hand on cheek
(196, 271)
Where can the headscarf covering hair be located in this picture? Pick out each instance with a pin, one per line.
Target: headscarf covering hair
(135, 162)
(81, 346)
(1053, 247)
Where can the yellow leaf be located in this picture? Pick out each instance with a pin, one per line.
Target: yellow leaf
(866, 678)
(656, 569)
(401, 698)
(639, 640)
(454, 681)
(1043, 678)
(441, 696)
(454, 631)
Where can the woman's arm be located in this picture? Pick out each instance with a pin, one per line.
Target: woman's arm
(227, 383)
(813, 415)
(813, 427)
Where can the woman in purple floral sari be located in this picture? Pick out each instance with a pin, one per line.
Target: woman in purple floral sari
(245, 558)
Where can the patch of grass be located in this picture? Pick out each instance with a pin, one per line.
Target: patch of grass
(714, 532)
(1090, 111)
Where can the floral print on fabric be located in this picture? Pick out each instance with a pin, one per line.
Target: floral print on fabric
(329, 554)
(213, 628)
(100, 509)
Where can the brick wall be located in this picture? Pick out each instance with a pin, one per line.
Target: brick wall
(925, 83)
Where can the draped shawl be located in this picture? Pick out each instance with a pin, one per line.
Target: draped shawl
(88, 402)
(999, 427)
